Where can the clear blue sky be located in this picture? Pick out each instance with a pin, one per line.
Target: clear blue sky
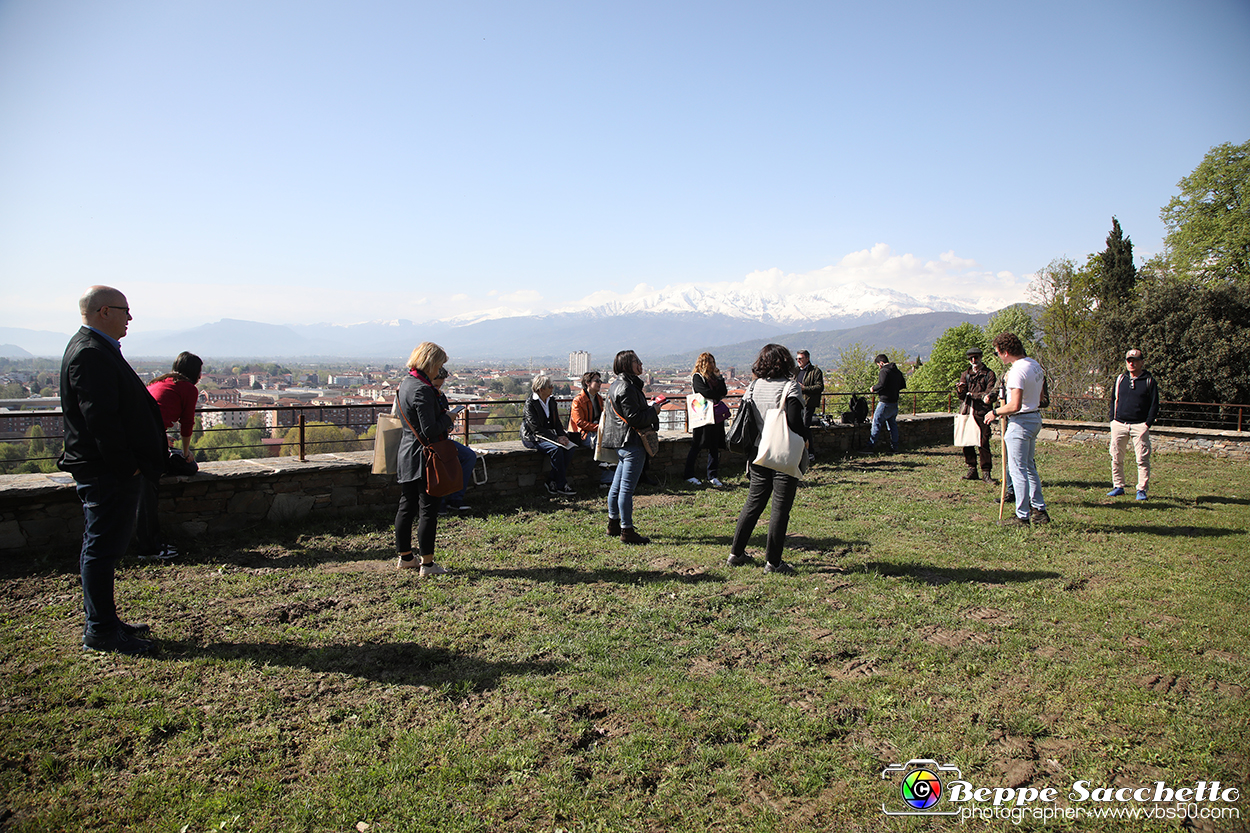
(345, 161)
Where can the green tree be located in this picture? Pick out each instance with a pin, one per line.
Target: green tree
(1193, 336)
(1018, 319)
(852, 371)
(947, 360)
(1066, 293)
(13, 390)
(1208, 222)
(217, 443)
(319, 438)
(1117, 274)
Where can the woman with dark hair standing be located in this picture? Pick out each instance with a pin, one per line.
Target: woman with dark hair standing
(628, 413)
(773, 387)
(424, 419)
(176, 394)
(710, 384)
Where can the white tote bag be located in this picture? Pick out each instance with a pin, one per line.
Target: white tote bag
(780, 448)
(699, 411)
(967, 431)
(386, 445)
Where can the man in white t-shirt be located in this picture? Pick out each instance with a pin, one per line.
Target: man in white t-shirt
(1023, 382)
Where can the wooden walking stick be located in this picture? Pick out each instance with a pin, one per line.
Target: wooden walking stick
(1002, 495)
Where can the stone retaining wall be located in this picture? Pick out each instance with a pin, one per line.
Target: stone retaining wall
(41, 512)
(1234, 445)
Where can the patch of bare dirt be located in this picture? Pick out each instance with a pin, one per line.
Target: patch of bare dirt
(1164, 684)
(989, 615)
(948, 638)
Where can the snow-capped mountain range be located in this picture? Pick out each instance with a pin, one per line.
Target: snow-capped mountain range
(660, 323)
(852, 301)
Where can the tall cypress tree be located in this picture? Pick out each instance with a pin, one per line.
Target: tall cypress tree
(1119, 275)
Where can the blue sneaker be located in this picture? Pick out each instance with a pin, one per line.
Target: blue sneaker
(1116, 492)
(1141, 494)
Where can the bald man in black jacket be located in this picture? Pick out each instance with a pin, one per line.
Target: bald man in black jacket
(114, 437)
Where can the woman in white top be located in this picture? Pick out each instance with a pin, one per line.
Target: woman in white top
(774, 387)
(1023, 381)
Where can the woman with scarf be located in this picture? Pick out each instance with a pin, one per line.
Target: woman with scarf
(424, 419)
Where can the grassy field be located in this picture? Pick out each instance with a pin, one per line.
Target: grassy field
(558, 680)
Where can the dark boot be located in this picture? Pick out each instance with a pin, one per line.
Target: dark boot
(972, 474)
(614, 527)
(985, 476)
(629, 536)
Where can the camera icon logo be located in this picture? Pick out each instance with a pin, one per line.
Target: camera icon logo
(920, 786)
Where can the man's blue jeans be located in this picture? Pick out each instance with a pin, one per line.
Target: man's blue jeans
(1020, 439)
(109, 509)
(625, 481)
(885, 416)
(468, 459)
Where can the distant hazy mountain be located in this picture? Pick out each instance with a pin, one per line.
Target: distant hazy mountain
(660, 324)
(912, 334)
(32, 343)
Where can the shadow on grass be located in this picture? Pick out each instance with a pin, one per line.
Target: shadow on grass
(928, 574)
(404, 663)
(1073, 484)
(1222, 499)
(568, 575)
(1168, 531)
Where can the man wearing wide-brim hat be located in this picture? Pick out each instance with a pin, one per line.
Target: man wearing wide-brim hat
(977, 387)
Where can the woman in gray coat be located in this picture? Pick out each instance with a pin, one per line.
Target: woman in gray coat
(421, 412)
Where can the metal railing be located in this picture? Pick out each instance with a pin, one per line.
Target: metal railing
(359, 418)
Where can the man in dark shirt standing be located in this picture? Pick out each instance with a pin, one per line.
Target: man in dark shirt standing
(976, 389)
(114, 437)
(890, 380)
(1134, 408)
(810, 378)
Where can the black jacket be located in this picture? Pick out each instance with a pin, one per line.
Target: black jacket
(813, 386)
(627, 409)
(537, 422)
(112, 424)
(890, 381)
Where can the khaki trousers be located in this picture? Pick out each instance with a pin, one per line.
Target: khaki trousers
(1139, 433)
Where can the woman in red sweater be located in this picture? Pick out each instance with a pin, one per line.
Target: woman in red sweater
(176, 394)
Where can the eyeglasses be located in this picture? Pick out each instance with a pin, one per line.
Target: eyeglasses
(114, 306)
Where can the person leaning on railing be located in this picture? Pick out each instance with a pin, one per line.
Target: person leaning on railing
(176, 394)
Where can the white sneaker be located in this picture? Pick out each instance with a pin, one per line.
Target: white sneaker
(715, 482)
(433, 569)
(693, 481)
(410, 564)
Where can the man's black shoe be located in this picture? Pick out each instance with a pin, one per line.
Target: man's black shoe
(136, 629)
(1010, 500)
(117, 643)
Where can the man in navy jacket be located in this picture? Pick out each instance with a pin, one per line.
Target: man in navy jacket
(114, 437)
(1134, 408)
